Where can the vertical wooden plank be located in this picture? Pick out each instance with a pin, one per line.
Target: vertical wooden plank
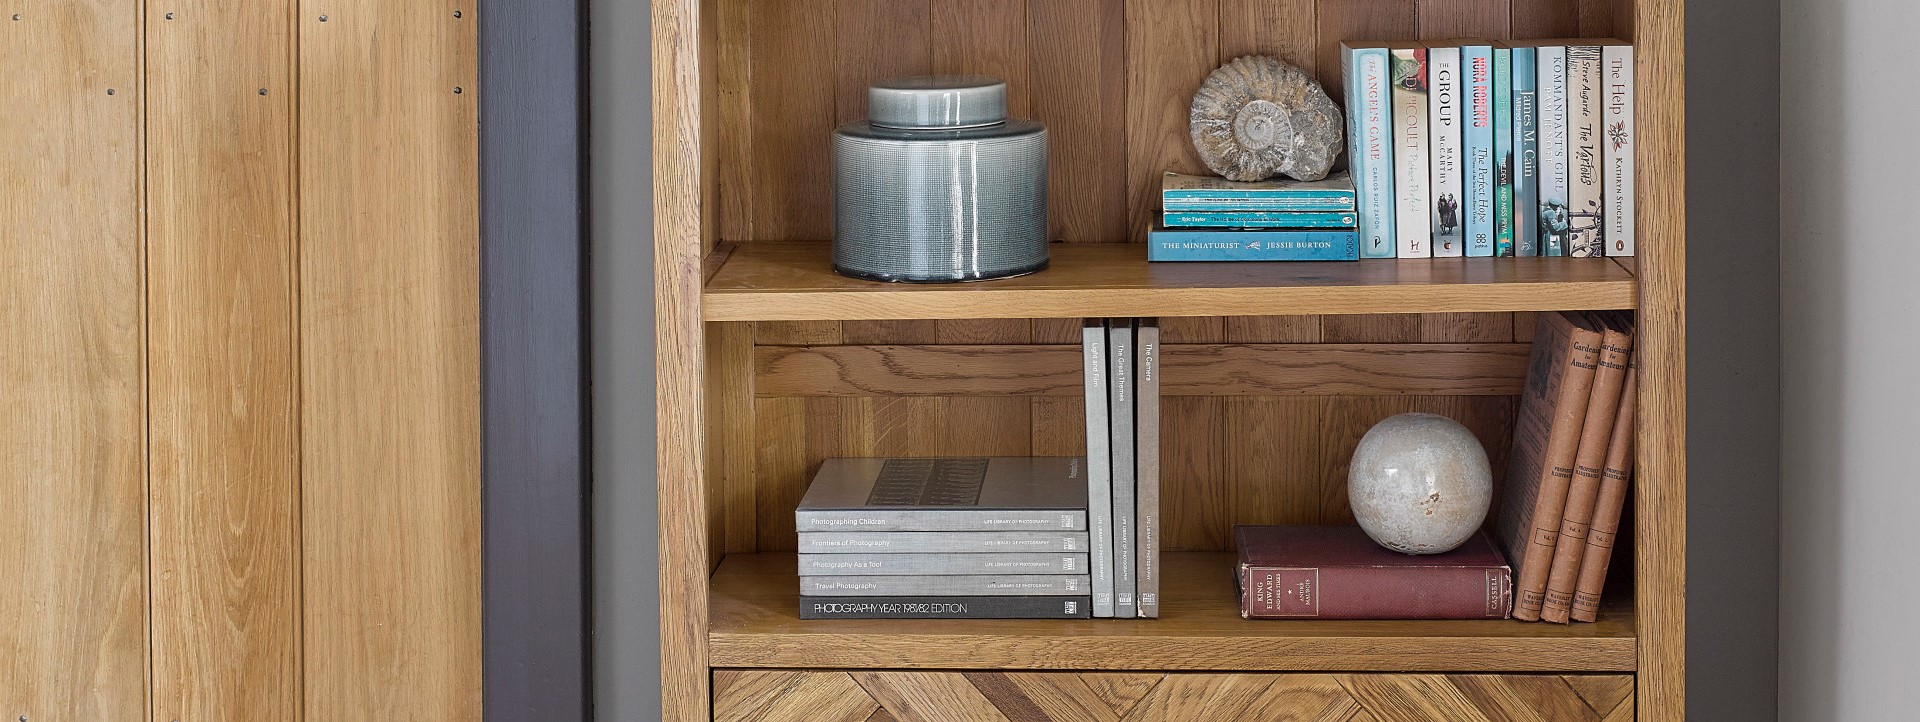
(791, 80)
(1079, 78)
(1357, 20)
(985, 426)
(223, 370)
(1283, 28)
(1545, 19)
(389, 342)
(735, 111)
(1171, 47)
(796, 333)
(1483, 19)
(875, 40)
(785, 443)
(73, 608)
(730, 438)
(1193, 474)
(1660, 475)
(984, 37)
(1273, 460)
(1343, 420)
(1059, 425)
(1597, 18)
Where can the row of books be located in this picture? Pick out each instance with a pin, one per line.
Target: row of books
(1121, 372)
(1481, 148)
(1214, 219)
(1570, 464)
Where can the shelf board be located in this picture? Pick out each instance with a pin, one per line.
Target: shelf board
(755, 623)
(793, 281)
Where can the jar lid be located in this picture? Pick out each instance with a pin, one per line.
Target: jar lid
(937, 101)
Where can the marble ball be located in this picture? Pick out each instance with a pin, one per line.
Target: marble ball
(1420, 484)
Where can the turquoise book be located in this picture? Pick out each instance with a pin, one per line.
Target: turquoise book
(1476, 146)
(1259, 219)
(1526, 162)
(1209, 194)
(1165, 244)
(1502, 151)
(1367, 76)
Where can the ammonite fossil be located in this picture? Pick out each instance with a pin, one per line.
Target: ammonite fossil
(1257, 116)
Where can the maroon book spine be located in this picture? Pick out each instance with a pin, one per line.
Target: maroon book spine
(1372, 592)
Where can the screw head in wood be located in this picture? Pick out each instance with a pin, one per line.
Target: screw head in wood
(109, 91)
(323, 18)
(263, 91)
(169, 16)
(457, 90)
(456, 14)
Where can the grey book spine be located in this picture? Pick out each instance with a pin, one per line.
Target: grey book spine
(1120, 399)
(908, 542)
(1147, 464)
(946, 585)
(929, 607)
(938, 520)
(1099, 465)
(895, 564)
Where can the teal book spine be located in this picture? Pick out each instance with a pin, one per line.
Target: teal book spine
(1259, 219)
(1476, 136)
(1503, 152)
(1526, 163)
(1243, 245)
(1368, 82)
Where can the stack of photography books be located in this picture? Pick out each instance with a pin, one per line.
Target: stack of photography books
(946, 538)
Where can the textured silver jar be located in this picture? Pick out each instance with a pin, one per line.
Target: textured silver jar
(938, 185)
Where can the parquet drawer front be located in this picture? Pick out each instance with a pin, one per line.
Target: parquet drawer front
(761, 695)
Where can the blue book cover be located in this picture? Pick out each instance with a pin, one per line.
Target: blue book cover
(1526, 161)
(1177, 205)
(1259, 219)
(1366, 74)
(1335, 191)
(1256, 245)
(1503, 151)
(1476, 137)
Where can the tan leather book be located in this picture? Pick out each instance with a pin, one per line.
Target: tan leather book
(1546, 435)
(1603, 405)
(1606, 512)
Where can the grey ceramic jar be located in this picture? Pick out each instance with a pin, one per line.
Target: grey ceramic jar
(938, 185)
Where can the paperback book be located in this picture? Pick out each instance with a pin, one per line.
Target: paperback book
(1553, 216)
(1147, 464)
(1368, 80)
(1192, 193)
(1165, 244)
(1099, 488)
(1526, 144)
(940, 563)
(1120, 398)
(1413, 234)
(946, 494)
(913, 542)
(1587, 214)
(1476, 133)
(1258, 219)
(932, 607)
(1503, 151)
(1449, 191)
(1337, 572)
(949, 585)
(1617, 65)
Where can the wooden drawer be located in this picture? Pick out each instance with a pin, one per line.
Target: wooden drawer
(773, 695)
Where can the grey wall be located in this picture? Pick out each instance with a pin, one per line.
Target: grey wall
(1851, 330)
(1734, 194)
(626, 644)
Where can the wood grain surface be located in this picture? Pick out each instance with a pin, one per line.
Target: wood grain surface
(755, 623)
(223, 362)
(73, 602)
(390, 361)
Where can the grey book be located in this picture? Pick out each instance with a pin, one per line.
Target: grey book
(908, 542)
(1146, 452)
(1009, 493)
(896, 564)
(1093, 357)
(1120, 396)
(945, 585)
(930, 607)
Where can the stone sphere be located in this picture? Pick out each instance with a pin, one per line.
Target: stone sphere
(1420, 484)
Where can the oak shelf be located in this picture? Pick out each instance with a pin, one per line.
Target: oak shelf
(793, 281)
(755, 623)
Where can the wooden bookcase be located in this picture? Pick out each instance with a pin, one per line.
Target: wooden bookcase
(768, 362)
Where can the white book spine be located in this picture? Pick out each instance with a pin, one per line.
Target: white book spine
(1449, 197)
(1099, 466)
(1413, 234)
(1552, 215)
(1587, 216)
(1617, 61)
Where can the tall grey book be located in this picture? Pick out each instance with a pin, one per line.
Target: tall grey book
(945, 585)
(1007, 493)
(1120, 396)
(894, 564)
(911, 542)
(1093, 358)
(1147, 465)
(930, 607)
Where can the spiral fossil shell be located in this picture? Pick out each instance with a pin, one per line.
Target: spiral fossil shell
(1257, 116)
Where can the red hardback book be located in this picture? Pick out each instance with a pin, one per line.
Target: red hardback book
(1337, 572)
